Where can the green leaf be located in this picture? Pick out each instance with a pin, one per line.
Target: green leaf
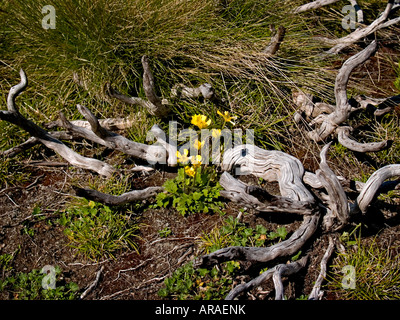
(261, 229)
(170, 186)
(73, 286)
(295, 257)
(197, 196)
(202, 272)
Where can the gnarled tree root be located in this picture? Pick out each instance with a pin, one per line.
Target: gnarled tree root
(124, 198)
(259, 254)
(277, 272)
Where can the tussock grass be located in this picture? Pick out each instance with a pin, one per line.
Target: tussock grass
(189, 42)
(376, 272)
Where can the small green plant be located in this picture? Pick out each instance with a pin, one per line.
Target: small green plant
(29, 286)
(190, 283)
(200, 284)
(97, 231)
(233, 233)
(397, 81)
(164, 233)
(376, 272)
(5, 261)
(189, 193)
(280, 234)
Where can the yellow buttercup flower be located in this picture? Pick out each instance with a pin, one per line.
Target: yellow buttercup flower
(227, 117)
(216, 133)
(190, 171)
(196, 161)
(183, 158)
(197, 144)
(200, 121)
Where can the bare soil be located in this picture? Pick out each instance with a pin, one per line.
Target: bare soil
(139, 275)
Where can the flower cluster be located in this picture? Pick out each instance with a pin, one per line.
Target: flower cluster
(201, 122)
(184, 159)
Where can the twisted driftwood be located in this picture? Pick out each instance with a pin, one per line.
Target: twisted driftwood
(328, 119)
(276, 40)
(238, 191)
(154, 104)
(382, 21)
(261, 254)
(294, 182)
(316, 292)
(276, 273)
(124, 198)
(15, 117)
(270, 165)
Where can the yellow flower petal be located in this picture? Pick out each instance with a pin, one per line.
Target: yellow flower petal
(216, 133)
(200, 121)
(197, 144)
(183, 158)
(196, 161)
(190, 171)
(227, 117)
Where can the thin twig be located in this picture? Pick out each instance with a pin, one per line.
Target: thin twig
(93, 285)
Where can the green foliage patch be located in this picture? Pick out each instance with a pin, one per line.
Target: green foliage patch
(192, 194)
(29, 286)
(97, 231)
(214, 284)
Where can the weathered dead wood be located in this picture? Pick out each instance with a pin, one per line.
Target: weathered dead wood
(238, 191)
(182, 91)
(260, 254)
(114, 93)
(382, 106)
(271, 165)
(169, 144)
(359, 12)
(313, 5)
(276, 40)
(124, 198)
(316, 292)
(32, 141)
(312, 180)
(345, 140)
(308, 108)
(109, 123)
(100, 135)
(373, 184)
(93, 284)
(160, 108)
(338, 209)
(154, 104)
(276, 273)
(330, 122)
(12, 152)
(15, 117)
(362, 32)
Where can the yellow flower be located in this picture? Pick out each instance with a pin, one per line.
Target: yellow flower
(196, 161)
(227, 117)
(200, 121)
(197, 144)
(190, 171)
(216, 133)
(183, 158)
